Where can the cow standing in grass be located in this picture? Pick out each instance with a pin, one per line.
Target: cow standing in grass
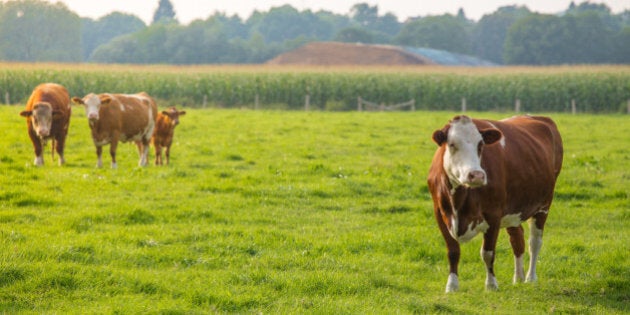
(164, 130)
(117, 118)
(47, 115)
(487, 175)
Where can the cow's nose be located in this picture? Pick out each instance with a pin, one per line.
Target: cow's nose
(476, 178)
(93, 116)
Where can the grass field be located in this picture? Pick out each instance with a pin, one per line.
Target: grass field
(294, 212)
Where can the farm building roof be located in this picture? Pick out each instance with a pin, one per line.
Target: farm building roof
(337, 53)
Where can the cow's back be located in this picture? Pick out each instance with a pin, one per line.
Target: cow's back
(525, 163)
(135, 115)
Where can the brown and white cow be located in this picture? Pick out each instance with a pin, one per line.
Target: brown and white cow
(487, 175)
(120, 117)
(165, 125)
(47, 115)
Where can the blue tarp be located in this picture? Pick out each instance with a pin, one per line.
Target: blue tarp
(446, 58)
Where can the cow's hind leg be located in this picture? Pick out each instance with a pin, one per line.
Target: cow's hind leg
(518, 248)
(536, 226)
(143, 150)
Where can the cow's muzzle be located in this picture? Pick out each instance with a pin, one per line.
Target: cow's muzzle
(475, 179)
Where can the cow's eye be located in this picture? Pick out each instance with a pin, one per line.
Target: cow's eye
(452, 146)
(479, 147)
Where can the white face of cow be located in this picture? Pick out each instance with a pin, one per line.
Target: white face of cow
(92, 105)
(462, 155)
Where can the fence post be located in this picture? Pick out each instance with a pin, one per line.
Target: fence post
(205, 101)
(573, 107)
(256, 102)
(8, 101)
(463, 104)
(628, 106)
(517, 106)
(359, 106)
(307, 102)
(413, 105)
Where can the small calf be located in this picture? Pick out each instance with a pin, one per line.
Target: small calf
(167, 120)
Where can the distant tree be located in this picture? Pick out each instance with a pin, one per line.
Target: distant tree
(101, 31)
(364, 14)
(445, 32)
(164, 13)
(570, 39)
(530, 40)
(287, 23)
(489, 33)
(621, 52)
(354, 35)
(34, 30)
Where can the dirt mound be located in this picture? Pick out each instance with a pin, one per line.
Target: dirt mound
(335, 53)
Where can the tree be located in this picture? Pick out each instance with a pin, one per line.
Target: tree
(490, 32)
(164, 13)
(354, 35)
(101, 31)
(287, 23)
(445, 32)
(530, 40)
(33, 30)
(364, 14)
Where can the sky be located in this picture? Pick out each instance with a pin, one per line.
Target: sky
(189, 10)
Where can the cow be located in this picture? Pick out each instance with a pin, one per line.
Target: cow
(47, 113)
(487, 175)
(165, 125)
(120, 117)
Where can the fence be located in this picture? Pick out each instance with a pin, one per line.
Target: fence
(367, 105)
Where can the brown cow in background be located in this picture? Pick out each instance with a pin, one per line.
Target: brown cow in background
(47, 115)
(164, 130)
(120, 117)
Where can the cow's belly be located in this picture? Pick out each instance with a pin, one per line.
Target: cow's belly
(511, 220)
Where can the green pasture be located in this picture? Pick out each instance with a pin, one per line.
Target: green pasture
(282, 212)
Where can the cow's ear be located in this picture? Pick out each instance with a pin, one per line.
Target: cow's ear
(26, 113)
(439, 136)
(182, 112)
(491, 136)
(106, 99)
(165, 113)
(77, 100)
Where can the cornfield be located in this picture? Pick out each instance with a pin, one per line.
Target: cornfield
(595, 89)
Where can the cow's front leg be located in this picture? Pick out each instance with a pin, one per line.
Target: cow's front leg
(518, 248)
(37, 147)
(452, 284)
(59, 146)
(167, 153)
(112, 152)
(158, 153)
(99, 156)
(487, 255)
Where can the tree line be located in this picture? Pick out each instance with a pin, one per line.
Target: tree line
(38, 31)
